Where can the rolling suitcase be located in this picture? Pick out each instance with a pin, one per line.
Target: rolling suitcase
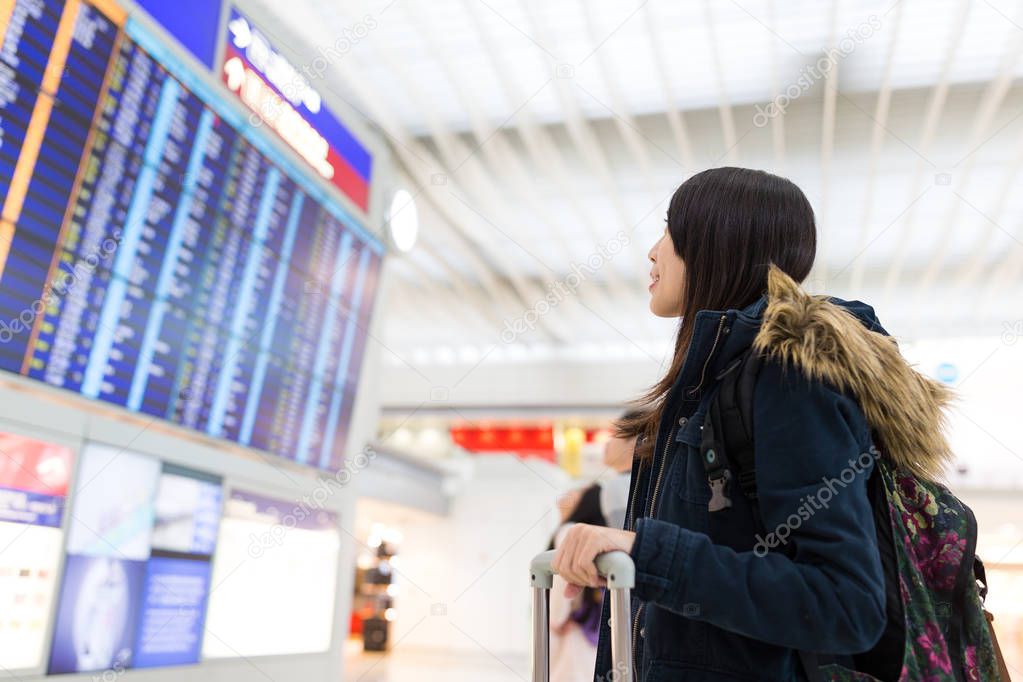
(620, 573)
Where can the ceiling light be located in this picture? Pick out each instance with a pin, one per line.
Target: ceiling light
(403, 221)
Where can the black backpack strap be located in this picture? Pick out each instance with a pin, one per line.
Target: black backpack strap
(980, 575)
(811, 666)
(728, 438)
(736, 410)
(728, 433)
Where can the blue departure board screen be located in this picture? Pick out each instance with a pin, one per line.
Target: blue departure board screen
(157, 253)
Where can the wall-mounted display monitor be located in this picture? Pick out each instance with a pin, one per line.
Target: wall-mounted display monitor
(285, 553)
(158, 252)
(137, 572)
(34, 479)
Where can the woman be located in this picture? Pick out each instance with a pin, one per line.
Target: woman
(709, 603)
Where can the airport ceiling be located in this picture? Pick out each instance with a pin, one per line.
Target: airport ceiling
(542, 140)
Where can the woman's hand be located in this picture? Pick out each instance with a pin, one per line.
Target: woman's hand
(574, 558)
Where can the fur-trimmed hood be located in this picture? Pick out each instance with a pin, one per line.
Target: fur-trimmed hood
(844, 345)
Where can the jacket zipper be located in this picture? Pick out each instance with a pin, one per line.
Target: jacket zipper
(657, 486)
(631, 517)
(671, 436)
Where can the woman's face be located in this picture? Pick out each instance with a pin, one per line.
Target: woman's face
(666, 278)
(618, 453)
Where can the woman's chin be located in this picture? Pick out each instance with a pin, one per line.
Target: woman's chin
(660, 310)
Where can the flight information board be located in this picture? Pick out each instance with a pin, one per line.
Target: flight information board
(157, 253)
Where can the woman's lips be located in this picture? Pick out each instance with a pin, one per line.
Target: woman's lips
(653, 284)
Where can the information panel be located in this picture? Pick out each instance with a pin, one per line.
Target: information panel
(269, 541)
(33, 486)
(137, 573)
(158, 253)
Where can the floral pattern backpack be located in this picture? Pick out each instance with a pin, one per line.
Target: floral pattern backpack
(940, 588)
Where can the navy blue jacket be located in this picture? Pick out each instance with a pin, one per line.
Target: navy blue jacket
(708, 605)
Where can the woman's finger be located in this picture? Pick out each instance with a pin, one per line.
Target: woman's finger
(588, 555)
(559, 552)
(563, 554)
(573, 542)
(584, 571)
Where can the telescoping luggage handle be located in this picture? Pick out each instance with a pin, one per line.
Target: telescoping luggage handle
(618, 569)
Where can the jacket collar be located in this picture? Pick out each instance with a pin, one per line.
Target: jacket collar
(719, 336)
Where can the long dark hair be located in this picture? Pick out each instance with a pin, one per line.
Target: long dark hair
(728, 225)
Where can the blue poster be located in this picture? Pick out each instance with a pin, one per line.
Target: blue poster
(97, 613)
(173, 612)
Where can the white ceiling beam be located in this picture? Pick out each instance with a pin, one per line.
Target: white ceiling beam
(626, 124)
(429, 300)
(878, 131)
(990, 103)
(935, 108)
(974, 267)
(500, 290)
(676, 121)
(1008, 274)
(545, 154)
(586, 141)
(629, 128)
(412, 154)
(588, 145)
(777, 122)
(827, 149)
(731, 140)
(488, 193)
(490, 142)
(478, 181)
(516, 304)
(543, 151)
(460, 291)
(513, 171)
(1005, 278)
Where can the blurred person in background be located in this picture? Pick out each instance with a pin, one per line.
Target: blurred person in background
(574, 621)
(614, 490)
